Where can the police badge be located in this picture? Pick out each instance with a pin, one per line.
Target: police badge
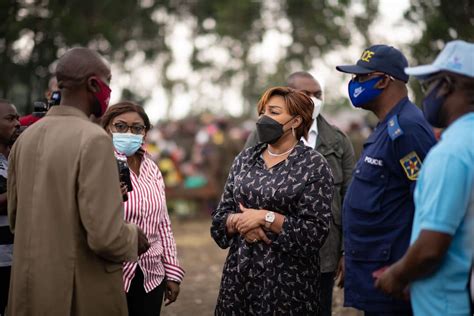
(411, 163)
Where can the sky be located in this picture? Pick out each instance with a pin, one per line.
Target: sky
(389, 28)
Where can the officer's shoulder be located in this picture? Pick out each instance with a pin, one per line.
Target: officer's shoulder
(406, 122)
(393, 127)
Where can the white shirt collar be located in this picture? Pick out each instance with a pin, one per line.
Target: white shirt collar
(312, 135)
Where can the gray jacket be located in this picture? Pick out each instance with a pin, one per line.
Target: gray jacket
(336, 147)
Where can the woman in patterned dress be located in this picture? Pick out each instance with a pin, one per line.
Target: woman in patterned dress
(157, 272)
(274, 215)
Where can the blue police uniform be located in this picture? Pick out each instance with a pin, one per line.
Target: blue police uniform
(378, 208)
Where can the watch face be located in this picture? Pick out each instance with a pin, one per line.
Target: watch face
(270, 217)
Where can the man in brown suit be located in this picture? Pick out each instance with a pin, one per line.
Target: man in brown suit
(64, 204)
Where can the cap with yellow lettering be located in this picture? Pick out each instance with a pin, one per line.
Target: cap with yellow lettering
(382, 58)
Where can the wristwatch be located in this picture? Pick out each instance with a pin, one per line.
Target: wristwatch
(269, 219)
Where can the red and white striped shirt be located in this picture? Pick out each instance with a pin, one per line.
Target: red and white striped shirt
(146, 207)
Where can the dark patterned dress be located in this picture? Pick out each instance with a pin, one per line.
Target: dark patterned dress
(281, 278)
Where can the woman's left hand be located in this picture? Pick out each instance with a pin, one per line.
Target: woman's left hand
(249, 219)
(171, 292)
(255, 235)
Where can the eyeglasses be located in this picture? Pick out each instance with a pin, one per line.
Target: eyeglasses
(436, 81)
(366, 77)
(123, 128)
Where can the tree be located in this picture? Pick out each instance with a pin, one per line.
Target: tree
(47, 28)
(34, 33)
(443, 21)
(312, 27)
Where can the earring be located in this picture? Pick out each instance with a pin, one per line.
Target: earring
(293, 131)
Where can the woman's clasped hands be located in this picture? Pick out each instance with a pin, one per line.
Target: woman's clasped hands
(249, 224)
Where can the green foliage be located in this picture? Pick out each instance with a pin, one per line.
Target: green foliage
(315, 27)
(233, 19)
(121, 29)
(116, 29)
(443, 21)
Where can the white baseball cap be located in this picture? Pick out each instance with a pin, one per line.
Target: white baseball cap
(457, 57)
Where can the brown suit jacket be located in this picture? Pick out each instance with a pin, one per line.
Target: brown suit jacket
(64, 207)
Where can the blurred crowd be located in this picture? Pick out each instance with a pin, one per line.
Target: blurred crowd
(195, 154)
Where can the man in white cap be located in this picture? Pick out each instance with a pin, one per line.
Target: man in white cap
(438, 264)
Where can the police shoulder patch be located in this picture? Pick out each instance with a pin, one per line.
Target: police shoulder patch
(394, 129)
(411, 163)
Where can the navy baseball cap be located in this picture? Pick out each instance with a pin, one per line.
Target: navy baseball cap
(383, 58)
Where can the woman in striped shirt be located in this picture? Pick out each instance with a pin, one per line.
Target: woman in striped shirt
(157, 272)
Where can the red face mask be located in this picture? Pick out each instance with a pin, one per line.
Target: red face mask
(102, 97)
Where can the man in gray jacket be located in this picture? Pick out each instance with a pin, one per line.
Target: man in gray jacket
(336, 147)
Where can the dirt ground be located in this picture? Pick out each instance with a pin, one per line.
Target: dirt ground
(203, 260)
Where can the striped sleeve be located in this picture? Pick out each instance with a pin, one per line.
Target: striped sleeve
(173, 271)
(170, 260)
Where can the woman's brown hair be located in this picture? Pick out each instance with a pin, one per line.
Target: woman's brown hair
(296, 102)
(121, 108)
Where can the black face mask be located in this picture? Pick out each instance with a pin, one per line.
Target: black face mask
(433, 103)
(269, 131)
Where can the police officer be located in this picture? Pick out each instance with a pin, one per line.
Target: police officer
(378, 208)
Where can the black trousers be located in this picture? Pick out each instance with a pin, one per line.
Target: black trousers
(4, 286)
(327, 284)
(141, 303)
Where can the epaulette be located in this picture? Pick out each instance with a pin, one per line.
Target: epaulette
(393, 128)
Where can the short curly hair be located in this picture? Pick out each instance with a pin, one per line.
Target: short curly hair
(296, 102)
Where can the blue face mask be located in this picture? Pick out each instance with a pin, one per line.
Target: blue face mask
(362, 93)
(127, 143)
(432, 104)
